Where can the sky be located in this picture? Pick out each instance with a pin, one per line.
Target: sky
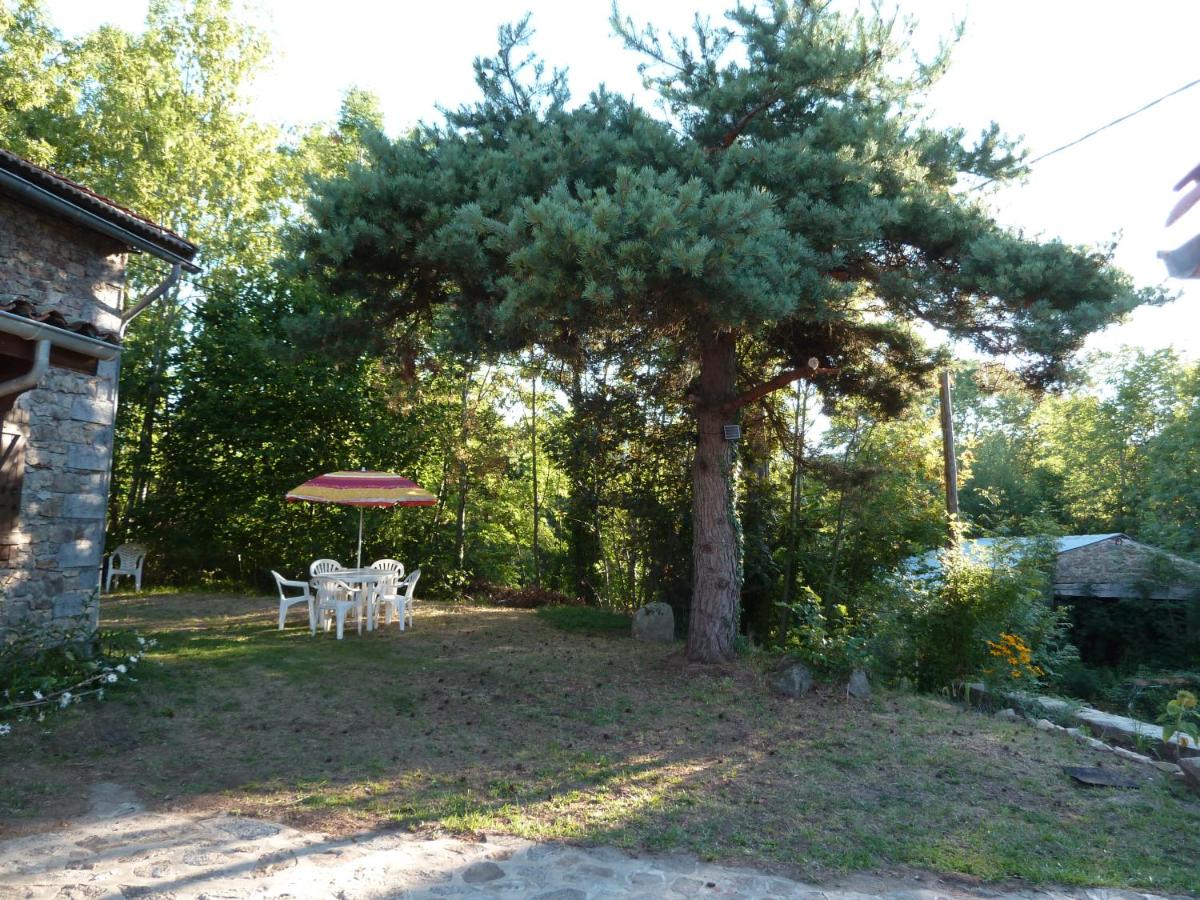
(1047, 70)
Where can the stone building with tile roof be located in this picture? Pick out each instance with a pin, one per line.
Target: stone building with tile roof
(63, 310)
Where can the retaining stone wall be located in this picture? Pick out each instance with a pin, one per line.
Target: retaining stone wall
(50, 562)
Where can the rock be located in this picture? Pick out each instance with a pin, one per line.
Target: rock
(654, 623)
(1131, 756)
(1009, 713)
(793, 680)
(1190, 766)
(1099, 777)
(858, 686)
(1047, 725)
(481, 872)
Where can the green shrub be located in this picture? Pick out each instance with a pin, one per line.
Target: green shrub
(984, 614)
(831, 643)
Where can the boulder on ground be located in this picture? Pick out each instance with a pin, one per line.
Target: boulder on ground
(1191, 771)
(655, 623)
(858, 685)
(793, 680)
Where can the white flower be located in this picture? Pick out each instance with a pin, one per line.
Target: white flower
(41, 717)
(133, 660)
(153, 642)
(65, 700)
(111, 677)
(5, 728)
(100, 694)
(141, 641)
(121, 668)
(37, 695)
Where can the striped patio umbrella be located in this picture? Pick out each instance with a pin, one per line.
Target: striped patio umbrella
(362, 489)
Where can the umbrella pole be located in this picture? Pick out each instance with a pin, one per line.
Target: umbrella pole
(358, 565)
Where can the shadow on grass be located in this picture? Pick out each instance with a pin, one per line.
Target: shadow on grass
(483, 719)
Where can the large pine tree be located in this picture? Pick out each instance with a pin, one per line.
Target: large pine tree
(790, 203)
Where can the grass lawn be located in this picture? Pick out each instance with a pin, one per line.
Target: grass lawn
(555, 726)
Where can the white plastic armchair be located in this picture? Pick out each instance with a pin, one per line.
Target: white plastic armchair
(335, 599)
(410, 585)
(324, 567)
(126, 560)
(394, 566)
(286, 601)
(386, 587)
(399, 603)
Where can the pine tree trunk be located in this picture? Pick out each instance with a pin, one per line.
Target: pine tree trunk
(716, 579)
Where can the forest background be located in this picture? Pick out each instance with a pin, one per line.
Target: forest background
(572, 479)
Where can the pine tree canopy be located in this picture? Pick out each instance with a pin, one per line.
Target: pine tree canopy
(788, 213)
(789, 190)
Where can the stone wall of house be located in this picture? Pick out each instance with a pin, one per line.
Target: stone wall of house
(1120, 561)
(50, 562)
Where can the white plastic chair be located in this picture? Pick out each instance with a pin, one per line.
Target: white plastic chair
(400, 602)
(126, 560)
(286, 602)
(385, 588)
(335, 599)
(410, 585)
(324, 567)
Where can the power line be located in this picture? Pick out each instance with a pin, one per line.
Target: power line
(1096, 131)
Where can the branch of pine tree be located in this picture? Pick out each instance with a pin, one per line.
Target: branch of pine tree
(740, 125)
(783, 379)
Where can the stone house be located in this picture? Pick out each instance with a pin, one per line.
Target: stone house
(1126, 602)
(63, 309)
(1101, 566)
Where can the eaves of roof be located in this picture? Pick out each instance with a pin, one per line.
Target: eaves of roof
(26, 310)
(50, 190)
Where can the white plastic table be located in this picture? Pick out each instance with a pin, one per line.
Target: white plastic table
(362, 581)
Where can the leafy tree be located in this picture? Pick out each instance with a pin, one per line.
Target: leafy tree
(791, 204)
(157, 121)
(1169, 508)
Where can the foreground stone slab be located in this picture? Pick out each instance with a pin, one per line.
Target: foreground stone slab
(122, 851)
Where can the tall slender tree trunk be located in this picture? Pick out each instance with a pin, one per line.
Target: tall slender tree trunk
(460, 516)
(141, 473)
(715, 552)
(583, 534)
(799, 427)
(537, 557)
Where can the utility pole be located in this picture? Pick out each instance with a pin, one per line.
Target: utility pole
(951, 466)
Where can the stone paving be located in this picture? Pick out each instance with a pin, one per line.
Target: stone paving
(123, 851)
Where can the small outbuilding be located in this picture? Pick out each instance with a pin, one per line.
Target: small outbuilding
(1106, 566)
(63, 311)
(1128, 602)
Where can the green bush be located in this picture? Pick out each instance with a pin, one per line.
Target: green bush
(986, 614)
(831, 643)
